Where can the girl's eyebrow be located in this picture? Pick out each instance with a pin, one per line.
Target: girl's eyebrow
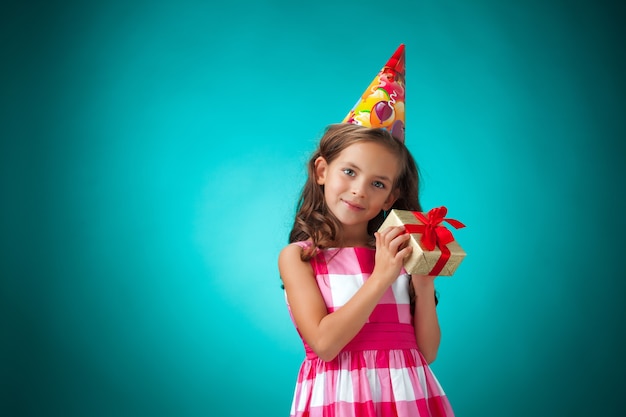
(383, 178)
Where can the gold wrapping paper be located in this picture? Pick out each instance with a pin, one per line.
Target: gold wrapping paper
(422, 261)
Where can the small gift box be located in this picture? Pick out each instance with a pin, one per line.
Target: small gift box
(435, 252)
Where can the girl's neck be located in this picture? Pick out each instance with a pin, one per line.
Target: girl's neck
(360, 239)
(359, 244)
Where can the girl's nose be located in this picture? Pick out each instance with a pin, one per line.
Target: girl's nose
(358, 189)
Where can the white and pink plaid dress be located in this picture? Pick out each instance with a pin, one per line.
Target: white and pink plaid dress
(380, 373)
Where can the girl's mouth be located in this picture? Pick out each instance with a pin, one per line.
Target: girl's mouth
(352, 206)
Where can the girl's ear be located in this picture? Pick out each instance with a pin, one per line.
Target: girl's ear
(321, 166)
(393, 196)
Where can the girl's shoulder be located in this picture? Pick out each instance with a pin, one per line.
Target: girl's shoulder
(292, 263)
(303, 249)
(296, 249)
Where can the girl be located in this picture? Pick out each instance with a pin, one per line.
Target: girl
(369, 329)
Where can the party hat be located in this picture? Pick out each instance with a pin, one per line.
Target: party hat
(382, 103)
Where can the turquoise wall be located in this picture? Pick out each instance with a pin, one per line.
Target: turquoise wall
(152, 153)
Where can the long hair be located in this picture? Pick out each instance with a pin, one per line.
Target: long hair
(314, 221)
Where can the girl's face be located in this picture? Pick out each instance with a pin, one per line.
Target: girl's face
(358, 184)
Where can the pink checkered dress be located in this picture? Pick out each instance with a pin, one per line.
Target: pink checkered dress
(380, 373)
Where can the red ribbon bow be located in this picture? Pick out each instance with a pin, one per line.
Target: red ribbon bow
(434, 234)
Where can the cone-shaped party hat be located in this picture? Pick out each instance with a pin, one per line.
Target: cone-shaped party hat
(382, 103)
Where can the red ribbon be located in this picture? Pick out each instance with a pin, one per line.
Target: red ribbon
(434, 234)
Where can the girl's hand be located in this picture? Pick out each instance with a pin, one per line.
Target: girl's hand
(391, 249)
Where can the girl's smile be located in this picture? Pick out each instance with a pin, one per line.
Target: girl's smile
(353, 206)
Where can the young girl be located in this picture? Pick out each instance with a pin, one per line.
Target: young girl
(369, 329)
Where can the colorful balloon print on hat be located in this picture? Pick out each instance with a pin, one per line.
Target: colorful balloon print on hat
(382, 103)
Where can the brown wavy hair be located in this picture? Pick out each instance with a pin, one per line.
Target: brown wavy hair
(313, 219)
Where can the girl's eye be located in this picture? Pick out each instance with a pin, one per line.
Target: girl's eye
(378, 184)
(348, 171)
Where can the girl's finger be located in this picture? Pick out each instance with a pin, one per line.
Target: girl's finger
(400, 240)
(404, 252)
(391, 233)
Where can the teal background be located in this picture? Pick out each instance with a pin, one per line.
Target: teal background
(152, 153)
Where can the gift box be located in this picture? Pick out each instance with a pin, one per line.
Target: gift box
(435, 251)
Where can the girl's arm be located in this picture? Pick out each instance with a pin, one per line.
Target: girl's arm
(425, 320)
(328, 333)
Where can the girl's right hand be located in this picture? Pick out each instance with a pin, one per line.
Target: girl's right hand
(391, 249)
